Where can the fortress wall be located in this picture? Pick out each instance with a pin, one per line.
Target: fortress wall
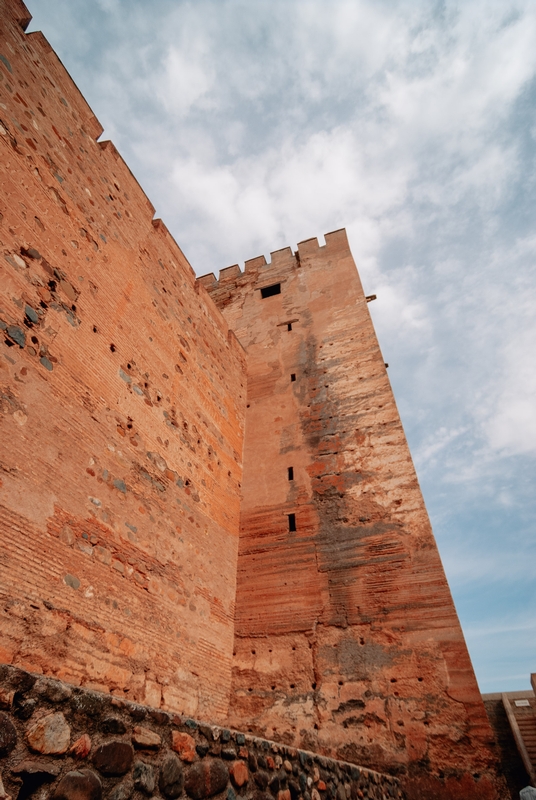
(347, 640)
(122, 398)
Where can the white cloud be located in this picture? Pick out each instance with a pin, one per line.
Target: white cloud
(512, 424)
(187, 78)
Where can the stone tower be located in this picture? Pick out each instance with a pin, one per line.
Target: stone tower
(347, 641)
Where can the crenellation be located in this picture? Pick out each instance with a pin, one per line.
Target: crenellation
(255, 263)
(42, 46)
(228, 273)
(123, 176)
(281, 256)
(308, 246)
(38, 41)
(207, 280)
(160, 227)
(258, 269)
(337, 240)
(21, 15)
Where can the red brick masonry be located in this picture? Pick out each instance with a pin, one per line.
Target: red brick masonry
(122, 399)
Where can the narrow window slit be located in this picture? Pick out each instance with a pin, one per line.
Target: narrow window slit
(292, 522)
(269, 291)
(289, 326)
(291, 473)
(293, 377)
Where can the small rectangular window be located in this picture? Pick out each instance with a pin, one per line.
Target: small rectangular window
(292, 522)
(269, 291)
(289, 326)
(291, 473)
(293, 376)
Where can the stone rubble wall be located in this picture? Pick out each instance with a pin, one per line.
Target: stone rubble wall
(68, 743)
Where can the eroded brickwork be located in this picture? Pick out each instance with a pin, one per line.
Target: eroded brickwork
(347, 640)
(122, 398)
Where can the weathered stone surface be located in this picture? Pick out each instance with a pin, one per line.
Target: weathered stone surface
(8, 734)
(49, 735)
(34, 774)
(239, 773)
(82, 747)
(294, 789)
(28, 767)
(123, 790)
(3, 794)
(158, 717)
(113, 725)
(24, 707)
(146, 739)
(261, 779)
(55, 691)
(207, 732)
(184, 745)
(81, 784)
(171, 777)
(114, 758)
(205, 779)
(6, 698)
(144, 777)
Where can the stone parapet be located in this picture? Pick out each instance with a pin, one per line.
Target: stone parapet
(75, 744)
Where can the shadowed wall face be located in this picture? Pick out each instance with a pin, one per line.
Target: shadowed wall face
(122, 399)
(347, 640)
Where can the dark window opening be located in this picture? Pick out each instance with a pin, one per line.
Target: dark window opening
(293, 376)
(291, 473)
(292, 522)
(289, 326)
(269, 291)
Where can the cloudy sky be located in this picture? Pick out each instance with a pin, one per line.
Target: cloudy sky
(254, 124)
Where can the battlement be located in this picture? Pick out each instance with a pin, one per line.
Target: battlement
(281, 260)
(20, 13)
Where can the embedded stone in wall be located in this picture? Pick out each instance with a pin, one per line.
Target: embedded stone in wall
(206, 779)
(49, 735)
(8, 734)
(114, 758)
(171, 777)
(184, 745)
(79, 785)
